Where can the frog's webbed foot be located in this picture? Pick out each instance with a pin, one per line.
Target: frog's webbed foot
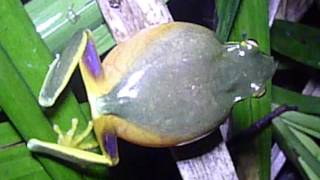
(70, 138)
(70, 147)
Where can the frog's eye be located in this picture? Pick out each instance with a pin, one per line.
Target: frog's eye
(252, 42)
(243, 47)
(249, 44)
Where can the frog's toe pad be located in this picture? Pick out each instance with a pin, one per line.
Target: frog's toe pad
(70, 139)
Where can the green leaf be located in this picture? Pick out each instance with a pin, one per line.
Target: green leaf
(308, 143)
(252, 22)
(227, 11)
(57, 21)
(307, 104)
(16, 151)
(293, 146)
(103, 39)
(25, 114)
(310, 173)
(17, 162)
(22, 50)
(306, 123)
(297, 41)
(51, 20)
(8, 135)
(32, 61)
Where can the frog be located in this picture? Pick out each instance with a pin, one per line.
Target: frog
(166, 86)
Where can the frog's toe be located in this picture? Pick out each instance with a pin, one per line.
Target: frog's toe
(90, 145)
(70, 138)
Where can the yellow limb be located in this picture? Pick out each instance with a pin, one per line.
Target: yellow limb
(68, 153)
(70, 147)
(70, 139)
(60, 71)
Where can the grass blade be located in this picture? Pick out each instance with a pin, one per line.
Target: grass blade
(308, 143)
(306, 123)
(293, 147)
(310, 173)
(307, 104)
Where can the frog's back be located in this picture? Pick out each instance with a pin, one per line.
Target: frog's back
(169, 88)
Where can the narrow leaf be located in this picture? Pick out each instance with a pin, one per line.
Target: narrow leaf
(252, 23)
(307, 104)
(306, 123)
(227, 11)
(308, 143)
(293, 147)
(297, 41)
(310, 173)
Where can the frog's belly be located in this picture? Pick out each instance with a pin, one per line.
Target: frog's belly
(148, 137)
(174, 108)
(175, 102)
(172, 90)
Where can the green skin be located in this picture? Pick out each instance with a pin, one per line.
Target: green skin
(184, 84)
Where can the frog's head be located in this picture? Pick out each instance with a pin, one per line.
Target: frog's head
(251, 67)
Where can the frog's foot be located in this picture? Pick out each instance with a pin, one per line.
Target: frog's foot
(70, 139)
(70, 147)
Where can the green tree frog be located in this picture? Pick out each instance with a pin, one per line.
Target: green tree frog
(165, 86)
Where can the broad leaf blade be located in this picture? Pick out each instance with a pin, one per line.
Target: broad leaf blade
(17, 162)
(8, 135)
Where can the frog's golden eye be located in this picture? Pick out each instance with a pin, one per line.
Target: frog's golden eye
(249, 44)
(252, 43)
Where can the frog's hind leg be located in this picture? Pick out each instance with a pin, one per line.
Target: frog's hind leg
(70, 138)
(70, 147)
(96, 84)
(106, 136)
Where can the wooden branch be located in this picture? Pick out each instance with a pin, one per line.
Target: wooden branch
(214, 165)
(127, 17)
